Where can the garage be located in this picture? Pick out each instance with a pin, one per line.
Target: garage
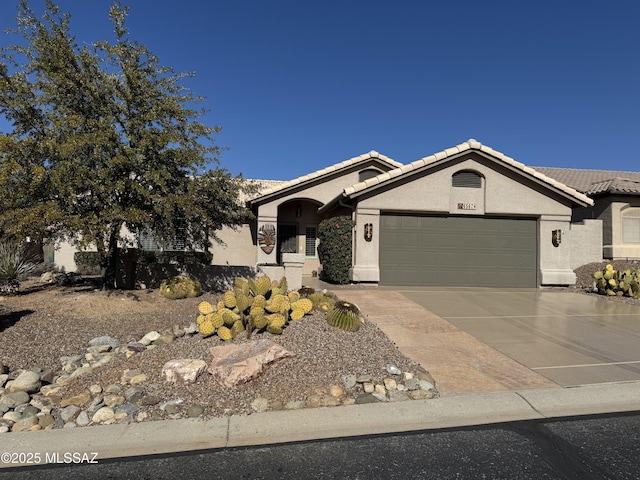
(458, 251)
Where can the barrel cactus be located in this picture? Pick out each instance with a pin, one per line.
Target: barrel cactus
(345, 315)
(180, 287)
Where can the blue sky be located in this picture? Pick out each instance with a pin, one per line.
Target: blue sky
(297, 85)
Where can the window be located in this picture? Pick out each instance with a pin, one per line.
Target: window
(287, 239)
(310, 242)
(367, 174)
(631, 226)
(466, 179)
(150, 243)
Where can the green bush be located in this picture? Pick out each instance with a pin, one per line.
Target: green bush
(334, 249)
(87, 263)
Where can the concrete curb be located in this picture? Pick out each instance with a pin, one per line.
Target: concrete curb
(149, 438)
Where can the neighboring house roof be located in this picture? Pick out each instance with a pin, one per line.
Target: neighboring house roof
(325, 171)
(445, 155)
(594, 182)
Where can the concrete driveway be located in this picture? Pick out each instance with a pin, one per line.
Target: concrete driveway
(475, 340)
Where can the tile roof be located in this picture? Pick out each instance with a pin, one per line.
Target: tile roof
(593, 182)
(464, 147)
(325, 171)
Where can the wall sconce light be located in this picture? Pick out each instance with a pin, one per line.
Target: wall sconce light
(298, 210)
(556, 237)
(368, 231)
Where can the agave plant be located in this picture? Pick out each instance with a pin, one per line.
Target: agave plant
(15, 264)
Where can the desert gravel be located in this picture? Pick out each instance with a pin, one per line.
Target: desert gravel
(42, 324)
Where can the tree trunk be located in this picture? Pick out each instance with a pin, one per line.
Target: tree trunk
(111, 261)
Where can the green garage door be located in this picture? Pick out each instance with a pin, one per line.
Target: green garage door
(458, 251)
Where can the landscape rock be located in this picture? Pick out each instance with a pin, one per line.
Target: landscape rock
(25, 424)
(27, 381)
(238, 363)
(183, 370)
(103, 415)
(104, 340)
(260, 404)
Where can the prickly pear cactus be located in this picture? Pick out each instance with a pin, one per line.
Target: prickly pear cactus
(180, 287)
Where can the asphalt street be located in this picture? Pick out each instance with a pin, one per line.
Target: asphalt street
(578, 448)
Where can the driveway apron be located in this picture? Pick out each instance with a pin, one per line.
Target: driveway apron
(517, 338)
(459, 362)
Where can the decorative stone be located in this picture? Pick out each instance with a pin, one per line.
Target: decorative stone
(238, 363)
(165, 339)
(294, 405)
(104, 340)
(50, 390)
(194, 411)
(368, 387)
(95, 389)
(103, 415)
(424, 385)
(149, 338)
(69, 413)
(379, 389)
(390, 384)
(393, 370)
(78, 400)
(137, 379)
(128, 409)
(426, 376)
(133, 394)
(397, 395)
(412, 384)
(421, 394)
(191, 329)
(83, 419)
(336, 391)
(12, 416)
(12, 400)
(364, 379)
(183, 370)
(113, 400)
(136, 347)
(260, 404)
(177, 331)
(45, 420)
(82, 371)
(25, 424)
(329, 401)
(27, 381)
(407, 376)
(366, 398)
(349, 381)
(313, 401)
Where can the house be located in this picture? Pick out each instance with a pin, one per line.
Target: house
(465, 216)
(616, 197)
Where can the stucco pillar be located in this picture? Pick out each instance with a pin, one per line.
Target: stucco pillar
(265, 225)
(293, 266)
(366, 246)
(555, 250)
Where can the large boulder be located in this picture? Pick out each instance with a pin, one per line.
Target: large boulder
(238, 363)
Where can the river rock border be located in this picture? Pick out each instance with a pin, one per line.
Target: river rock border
(30, 400)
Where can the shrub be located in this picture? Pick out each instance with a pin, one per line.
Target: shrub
(335, 249)
(88, 263)
(15, 264)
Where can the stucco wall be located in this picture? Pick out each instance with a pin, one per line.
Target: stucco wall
(238, 249)
(504, 192)
(585, 242)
